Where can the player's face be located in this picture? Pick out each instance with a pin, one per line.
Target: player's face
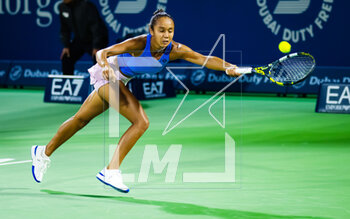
(163, 32)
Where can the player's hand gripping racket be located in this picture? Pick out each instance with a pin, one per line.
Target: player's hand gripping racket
(288, 70)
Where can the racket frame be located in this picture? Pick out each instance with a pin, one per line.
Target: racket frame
(262, 69)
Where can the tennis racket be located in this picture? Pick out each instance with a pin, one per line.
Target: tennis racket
(288, 70)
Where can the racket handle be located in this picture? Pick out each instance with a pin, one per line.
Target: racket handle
(244, 70)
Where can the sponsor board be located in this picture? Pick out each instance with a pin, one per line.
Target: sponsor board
(146, 89)
(321, 75)
(333, 98)
(4, 67)
(209, 80)
(34, 73)
(66, 89)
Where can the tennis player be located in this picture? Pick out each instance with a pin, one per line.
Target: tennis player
(116, 65)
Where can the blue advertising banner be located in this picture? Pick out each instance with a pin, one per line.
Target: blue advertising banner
(4, 68)
(34, 73)
(209, 80)
(321, 75)
(31, 73)
(66, 89)
(334, 98)
(253, 27)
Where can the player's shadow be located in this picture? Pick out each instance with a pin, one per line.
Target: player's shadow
(184, 208)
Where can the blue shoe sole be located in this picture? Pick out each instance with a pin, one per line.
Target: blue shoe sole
(33, 166)
(119, 190)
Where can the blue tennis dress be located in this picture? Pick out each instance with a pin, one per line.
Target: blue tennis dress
(145, 63)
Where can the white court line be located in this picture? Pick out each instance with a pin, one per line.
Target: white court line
(17, 162)
(6, 160)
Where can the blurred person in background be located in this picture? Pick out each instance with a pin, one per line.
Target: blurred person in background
(82, 31)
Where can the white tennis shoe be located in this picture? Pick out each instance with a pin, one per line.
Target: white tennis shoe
(40, 162)
(112, 178)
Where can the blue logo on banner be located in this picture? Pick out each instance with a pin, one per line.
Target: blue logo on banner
(299, 85)
(198, 77)
(16, 72)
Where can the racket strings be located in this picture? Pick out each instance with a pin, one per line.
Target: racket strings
(292, 69)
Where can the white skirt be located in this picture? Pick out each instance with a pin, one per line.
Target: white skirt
(96, 77)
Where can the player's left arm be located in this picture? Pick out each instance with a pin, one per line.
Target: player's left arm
(212, 62)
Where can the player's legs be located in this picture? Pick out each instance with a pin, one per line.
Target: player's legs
(92, 107)
(129, 107)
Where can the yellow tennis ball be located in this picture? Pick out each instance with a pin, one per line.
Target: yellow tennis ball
(284, 47)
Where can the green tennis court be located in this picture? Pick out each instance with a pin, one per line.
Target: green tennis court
(290, 161)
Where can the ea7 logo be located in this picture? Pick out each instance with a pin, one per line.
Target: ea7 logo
(153, 87)
(337, 94)
(60, 86)
(292, 7)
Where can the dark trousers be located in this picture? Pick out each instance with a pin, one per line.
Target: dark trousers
(76, 50)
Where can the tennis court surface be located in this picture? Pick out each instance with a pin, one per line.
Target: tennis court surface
(290, 161)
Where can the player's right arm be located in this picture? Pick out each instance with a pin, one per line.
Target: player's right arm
(127, 46)
(181, 51)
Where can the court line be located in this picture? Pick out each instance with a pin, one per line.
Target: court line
(3, 160)
(17, 162)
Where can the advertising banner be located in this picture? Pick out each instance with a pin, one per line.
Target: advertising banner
(146, 89)
(34, 73)
(334, 98)
(253, 27)
(66, 89)
(4, 68)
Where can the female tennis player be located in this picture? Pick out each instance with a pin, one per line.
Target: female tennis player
(116, 65)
